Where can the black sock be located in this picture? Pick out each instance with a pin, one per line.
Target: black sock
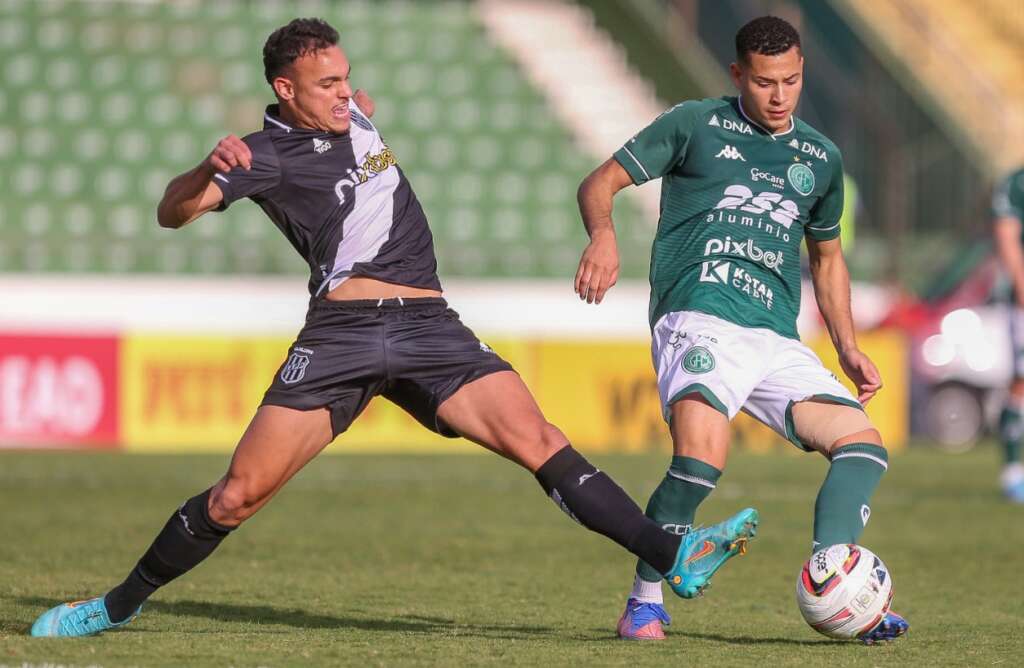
(188, 537)
(594, 500)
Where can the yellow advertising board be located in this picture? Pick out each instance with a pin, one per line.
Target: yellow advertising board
(188, 393)
(195, 393)
(604, 396)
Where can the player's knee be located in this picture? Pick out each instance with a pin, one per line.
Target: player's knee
(552, 439)
(869, 436)
(236, 500)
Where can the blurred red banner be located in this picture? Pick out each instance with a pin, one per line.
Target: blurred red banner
(59, 391)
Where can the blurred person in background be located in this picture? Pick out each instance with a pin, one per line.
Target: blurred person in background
(376, 325)
(1007, 214)
(743, 182)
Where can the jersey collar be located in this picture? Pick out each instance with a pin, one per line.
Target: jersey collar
(773, 135)
(272, 119)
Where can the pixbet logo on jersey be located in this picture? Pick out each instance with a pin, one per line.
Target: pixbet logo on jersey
(746, 249)
(781, 211)
(371, 167)
(724, 272)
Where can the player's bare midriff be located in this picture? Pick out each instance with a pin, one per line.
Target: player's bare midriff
(363, 287)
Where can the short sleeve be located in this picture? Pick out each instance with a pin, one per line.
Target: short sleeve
(824, 220)
(1008, 198)
(659, 147)
(264, 176)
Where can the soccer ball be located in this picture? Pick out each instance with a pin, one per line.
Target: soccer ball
(843, 591)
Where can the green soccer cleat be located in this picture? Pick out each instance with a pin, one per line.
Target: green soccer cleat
(77, 619)
(703, 551)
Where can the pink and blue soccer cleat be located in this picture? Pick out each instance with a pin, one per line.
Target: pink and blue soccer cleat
(704, 551)
(891, 627)
(642, 621)
(77, 619)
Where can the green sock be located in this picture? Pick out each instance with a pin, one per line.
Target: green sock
(1011, 428)
(674, 503)
(841, 511)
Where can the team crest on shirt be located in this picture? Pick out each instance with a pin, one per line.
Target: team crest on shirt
(294, 369)
(698, 359)
(801, 178)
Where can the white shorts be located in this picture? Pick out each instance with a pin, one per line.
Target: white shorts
(739, 368)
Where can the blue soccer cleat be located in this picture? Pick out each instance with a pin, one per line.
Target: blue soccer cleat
(77, 619)
(891, 627)
(703, 551)
(642, 621)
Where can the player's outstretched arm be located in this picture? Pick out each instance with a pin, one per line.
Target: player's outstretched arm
(599, 265)
(1007, 234)
(831, 281)
(194, 193)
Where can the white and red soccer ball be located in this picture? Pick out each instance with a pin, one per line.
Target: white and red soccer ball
(844, 591)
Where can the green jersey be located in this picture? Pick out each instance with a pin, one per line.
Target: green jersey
(1008, 199)
(736, 202)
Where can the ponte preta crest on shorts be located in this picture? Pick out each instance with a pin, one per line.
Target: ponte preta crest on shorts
(295, 368)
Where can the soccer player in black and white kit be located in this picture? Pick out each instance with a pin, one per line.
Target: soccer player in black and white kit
(376, 325)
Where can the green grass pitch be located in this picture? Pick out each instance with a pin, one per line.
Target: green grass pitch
(458, 560)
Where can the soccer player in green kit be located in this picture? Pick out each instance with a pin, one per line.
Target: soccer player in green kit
(1008, 213)
(743, 183)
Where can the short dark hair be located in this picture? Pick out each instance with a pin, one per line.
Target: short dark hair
(293, 41)
(767, 35)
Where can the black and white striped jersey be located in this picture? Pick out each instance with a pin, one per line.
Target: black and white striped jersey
(341, 200)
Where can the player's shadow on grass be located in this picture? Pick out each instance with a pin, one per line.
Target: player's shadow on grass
(265, 614)
(747, 640)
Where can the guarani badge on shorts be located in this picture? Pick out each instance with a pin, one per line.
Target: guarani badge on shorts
(295, 368)
(698, 359)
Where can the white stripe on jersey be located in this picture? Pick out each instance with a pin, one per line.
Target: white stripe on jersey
(368, 225)
(646, 175)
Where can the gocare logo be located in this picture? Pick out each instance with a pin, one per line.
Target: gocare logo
(746, 249)
(757, 175)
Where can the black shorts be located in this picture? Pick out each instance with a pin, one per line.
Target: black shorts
(416, 353)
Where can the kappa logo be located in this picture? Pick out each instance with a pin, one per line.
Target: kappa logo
(294, 369)
(730, 153)
(321, 145)
(731, 125)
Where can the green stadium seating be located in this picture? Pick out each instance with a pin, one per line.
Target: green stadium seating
(105, 101)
